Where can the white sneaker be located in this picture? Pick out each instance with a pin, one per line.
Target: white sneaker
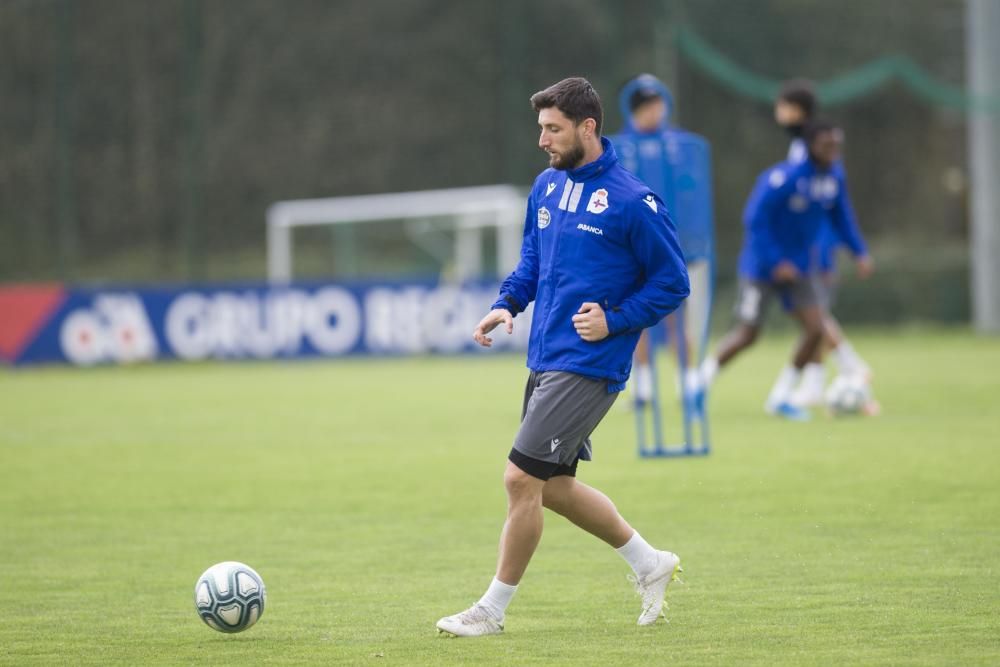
(473, 622)
(653, 587)
(809, 392)
(807, 396)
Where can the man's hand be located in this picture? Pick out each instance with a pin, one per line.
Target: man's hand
(865, 266)
(490, 322)
(784, 272)
(590, 323)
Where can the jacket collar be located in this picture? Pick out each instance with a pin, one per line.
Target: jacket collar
(597, 167)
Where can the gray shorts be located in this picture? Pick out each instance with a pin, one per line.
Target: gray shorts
(560, 412)
(755, 296)
(826, 290)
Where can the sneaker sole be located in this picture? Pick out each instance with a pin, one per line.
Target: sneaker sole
(448, 634)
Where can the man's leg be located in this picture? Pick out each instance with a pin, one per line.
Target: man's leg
(810, 318)
(749, 311)
(642, 371)
(848, 361)
(689, 376)
(811, 387)
(520, 536)
(809, 391)
(737, 340)
(594, 512)
(523, 528)
(813, 382)
(588, 508)
(642, 368)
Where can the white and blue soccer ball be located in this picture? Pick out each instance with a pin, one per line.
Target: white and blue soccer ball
(230, 596)
(849, 395)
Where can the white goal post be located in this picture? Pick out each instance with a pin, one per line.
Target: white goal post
(474, 211)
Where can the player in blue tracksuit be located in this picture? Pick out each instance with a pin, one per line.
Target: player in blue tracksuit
(787, 212)
(594, 235)
(676, 164)
(795, 106)
(601, 262)
(784, 216)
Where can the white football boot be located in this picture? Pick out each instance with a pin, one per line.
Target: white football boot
(653, 587)
(809, 393)
(473, 622)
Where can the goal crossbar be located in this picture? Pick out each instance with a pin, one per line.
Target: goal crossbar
(505, 203)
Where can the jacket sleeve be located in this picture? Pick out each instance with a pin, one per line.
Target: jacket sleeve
(520, 287)
(653, 238)
(769, 194)
(845, 223)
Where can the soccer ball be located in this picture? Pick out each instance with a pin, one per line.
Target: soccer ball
(229, 596)
(848, 395)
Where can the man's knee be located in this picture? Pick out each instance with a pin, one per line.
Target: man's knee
(520, 486)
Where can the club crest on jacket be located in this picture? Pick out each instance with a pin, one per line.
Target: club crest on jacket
(598, 201)
(543, 218)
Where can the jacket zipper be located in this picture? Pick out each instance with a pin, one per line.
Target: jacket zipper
(552, 280)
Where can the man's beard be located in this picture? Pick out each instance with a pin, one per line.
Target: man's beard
(569, 160)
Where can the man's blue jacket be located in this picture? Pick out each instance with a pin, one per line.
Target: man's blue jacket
(786, 213)
(594, 234)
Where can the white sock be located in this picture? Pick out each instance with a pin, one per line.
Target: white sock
(692, 381)
(783, 386)
(848, 361)
(639, 555)
(810, 389)
(497, 597)
(709, 369)
(642, 374)
(814, 376)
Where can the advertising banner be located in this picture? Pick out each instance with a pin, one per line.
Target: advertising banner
(56, 324)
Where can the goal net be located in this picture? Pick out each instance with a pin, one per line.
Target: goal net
(456, 234)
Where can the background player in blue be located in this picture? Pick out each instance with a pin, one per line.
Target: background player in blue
(784, 216)
(601, 262)
(795, 105)
(676, 164)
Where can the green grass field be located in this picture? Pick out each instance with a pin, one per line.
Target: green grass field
(368, 495)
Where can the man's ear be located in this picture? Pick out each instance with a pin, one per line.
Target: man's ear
(589, 126)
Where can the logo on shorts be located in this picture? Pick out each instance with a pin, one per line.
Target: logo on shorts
(543, 218)
(555, 443)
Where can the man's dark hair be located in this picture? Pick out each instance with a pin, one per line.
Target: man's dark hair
(575, 98)
(816, 127)
(801, 93)
(641, 96)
